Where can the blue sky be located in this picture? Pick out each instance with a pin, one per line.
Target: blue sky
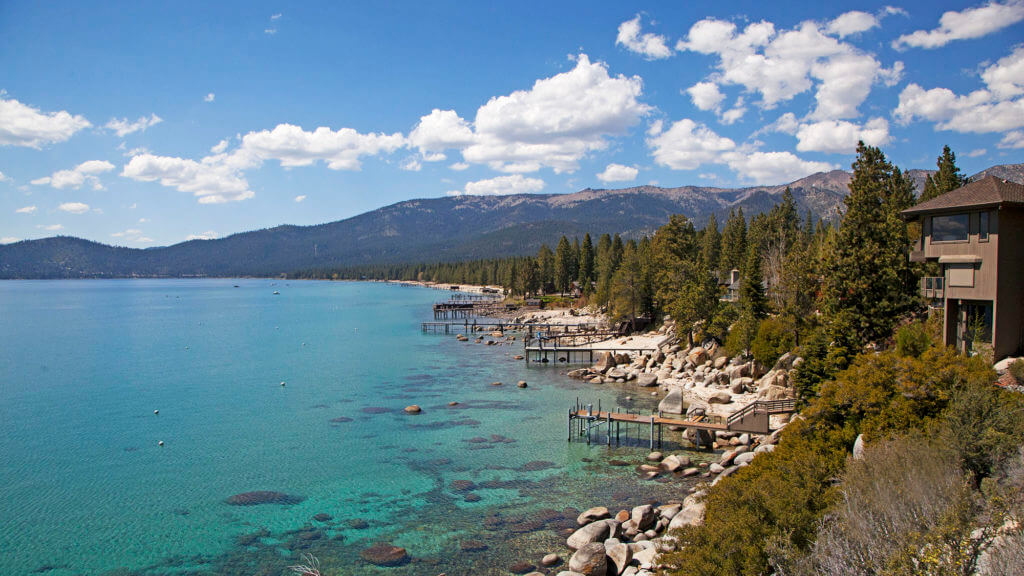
(145, 124)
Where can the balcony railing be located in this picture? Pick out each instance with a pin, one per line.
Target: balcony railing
(933, 287)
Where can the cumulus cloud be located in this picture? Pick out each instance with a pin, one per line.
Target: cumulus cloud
(997, 108)
(780, 64)
(74, 207)
(85, 172)
(977, 152)
(459, 166)
(26, 210)
(3, 177)
(840, 136)
(300, 198)
(853, 22)
(219, 147)
(501, 186)
(439, 131)
(687, 145)
(210, 97)
(618, 173)
(50, 227)
(732, 115)
(133, 235)
(208, 235)
(706, 95)
(211, 180)
(650, 46)
(23, 125)
(123, 127)
(964, 25)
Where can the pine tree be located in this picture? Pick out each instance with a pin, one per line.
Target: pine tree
(563, 265)
(711, 244)
(586, 275)
(947, 178)
(546, 266)
(869, 282)
(753, 303)
(734, 242)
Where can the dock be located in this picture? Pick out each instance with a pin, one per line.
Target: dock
(752, 418)
(468, 326)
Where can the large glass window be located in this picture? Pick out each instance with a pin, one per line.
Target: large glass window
(950, 228)
(983, 226)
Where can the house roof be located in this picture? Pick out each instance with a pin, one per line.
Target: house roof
(986, 192)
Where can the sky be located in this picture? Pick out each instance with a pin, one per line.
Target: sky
(145, 124)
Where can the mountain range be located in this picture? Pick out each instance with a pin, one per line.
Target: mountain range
(430, 230)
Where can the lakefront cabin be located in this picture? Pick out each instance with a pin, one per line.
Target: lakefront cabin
(976, 235)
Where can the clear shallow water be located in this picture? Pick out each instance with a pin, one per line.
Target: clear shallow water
(87, 490)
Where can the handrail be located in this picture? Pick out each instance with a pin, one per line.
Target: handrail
(764, 406)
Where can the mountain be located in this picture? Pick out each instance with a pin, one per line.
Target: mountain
(435, 229)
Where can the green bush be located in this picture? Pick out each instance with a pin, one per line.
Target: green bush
(1017, 369)
(772, 341)
(913, 339)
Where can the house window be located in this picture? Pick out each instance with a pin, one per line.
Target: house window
(952, 228)
(983, 227)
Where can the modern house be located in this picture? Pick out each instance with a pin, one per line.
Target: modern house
(976, 235)
(730, 286)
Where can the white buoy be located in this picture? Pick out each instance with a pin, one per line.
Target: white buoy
(160, 443)
(156, 411)
(282, 383)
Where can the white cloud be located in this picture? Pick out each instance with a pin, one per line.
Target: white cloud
(300, 198)
(978, 152)
(211, 180)
(651, 46)
(128, 232)
(501, 186)
(51, 227)
(208, 235)
(85, 172)
(143, 220)
(3, 178)
(22, 125)
(459, 166)
(1005, 78)
(840, 136)
(1014, 139)
(732, 115)
(341, 150)
(411, 164)
(219, 148)
(706, 95)
(787, 124)
(123, 127)
(779, 65)
(275, 16)
(270, 31)
(438, 131)
(210, 97)
(74, 207)
(969, 23)
(26, 210)
(853, 22)
(618, 173)
(687, 145)
(9, 240)
(558, 121)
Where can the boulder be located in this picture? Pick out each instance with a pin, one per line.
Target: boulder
(615, 373)
(413, 409)
(673, 463)
(698, 355)
(673, 402)
(691, 515)
(858, 447)
(593, 515)
(384, 554)
(775, 393)
(785, 362)
(594, 532)
(550, 560)
(654, 457)
(744, 458)
(721, 397)
(619, 554)
(578, 373)
(647, 380)
(716, 468)
(646, 557)
(590, 560)
(606, 361)
(521, 384)
(720, 362)
(643, 517)
(691, 472)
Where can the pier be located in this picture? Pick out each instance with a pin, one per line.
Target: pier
(467, 326)
(585, 422)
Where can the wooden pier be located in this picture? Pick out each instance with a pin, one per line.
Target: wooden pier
(753, 418)
(468, 326)
(577, 354)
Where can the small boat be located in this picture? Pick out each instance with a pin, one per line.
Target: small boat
(276, 292)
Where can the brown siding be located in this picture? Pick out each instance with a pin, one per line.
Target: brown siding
(1009, 309)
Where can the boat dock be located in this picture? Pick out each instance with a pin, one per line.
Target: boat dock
(753, 418)
(467, 326)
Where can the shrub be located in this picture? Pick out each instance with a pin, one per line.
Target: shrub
(772, 340)
(913, 339)
(1017, 369)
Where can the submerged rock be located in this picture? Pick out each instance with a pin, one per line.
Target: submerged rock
(385, 554)
(263, 497)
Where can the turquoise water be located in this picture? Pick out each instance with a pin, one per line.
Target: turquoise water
(88, 490)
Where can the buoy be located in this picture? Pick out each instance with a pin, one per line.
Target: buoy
(160, 443)
(156, 411)
(282, 384)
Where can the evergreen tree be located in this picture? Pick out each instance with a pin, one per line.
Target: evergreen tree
(563, 265)
(695, 302)
(629, 286)
(869, 282)
(734, 242)
(753, 303)
(574, 254)
(947, 178)
(586, 275)
(546, 266)
(711, 244)
(674, 252)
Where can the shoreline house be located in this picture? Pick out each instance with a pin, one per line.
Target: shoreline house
(976, 235)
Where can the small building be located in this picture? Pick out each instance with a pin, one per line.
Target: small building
(731, 286)
(976, 235)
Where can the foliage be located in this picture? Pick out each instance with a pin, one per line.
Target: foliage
(913, 339)
(1016, 369)
(772, 341)
(947, 178)
(868, 281)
